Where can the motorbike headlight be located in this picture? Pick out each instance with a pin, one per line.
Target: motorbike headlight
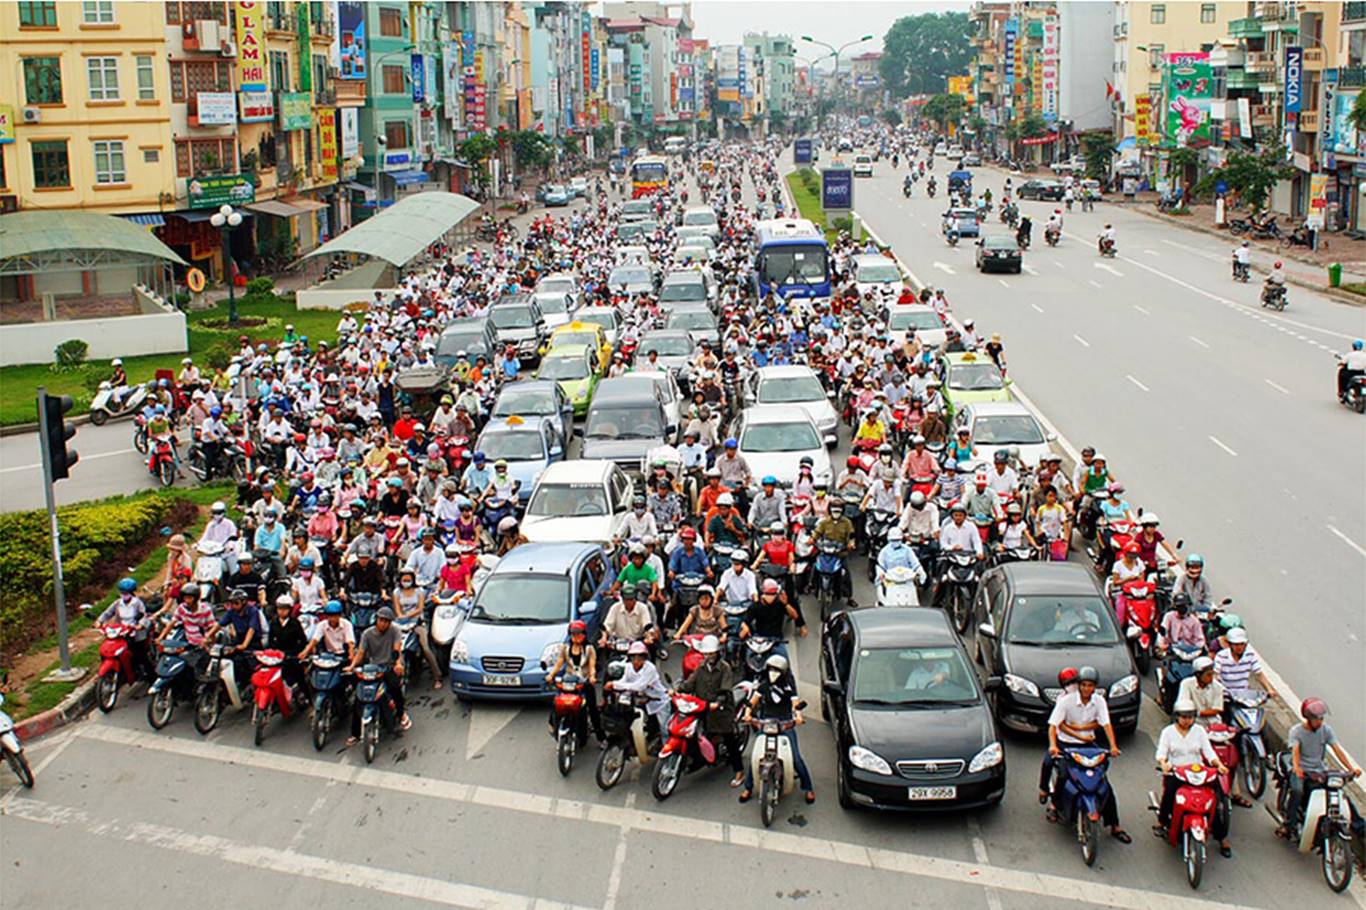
(551, 653)
(460, 652)
(1126, 686)
(863, 759)
(1021, 686)
(990, 756)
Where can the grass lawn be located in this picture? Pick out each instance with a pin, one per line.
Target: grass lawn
(809, 203)
(18, 384)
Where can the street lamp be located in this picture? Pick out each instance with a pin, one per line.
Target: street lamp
(835, 52)
(225, 219)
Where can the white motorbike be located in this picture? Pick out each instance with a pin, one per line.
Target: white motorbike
(449, 612)
(771, 764)
(217, 685)
(103, 407)
(13, 749)
(210, 568)
(898, 587)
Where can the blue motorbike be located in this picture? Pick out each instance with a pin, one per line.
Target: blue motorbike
(1081, 792)
(364, 606)
(329, 695)
(377, 708)
(830, 555)
(175, 680)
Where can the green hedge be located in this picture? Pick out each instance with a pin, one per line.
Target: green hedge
(92, 535)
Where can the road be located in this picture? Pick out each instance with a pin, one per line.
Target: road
(109, 465)
(1217, 414)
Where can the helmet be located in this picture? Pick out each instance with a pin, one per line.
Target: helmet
(333, 608)
(189, 590)
(852, 462)
(894, 533)
(507, 524)
(615, 671)
(1067, 676)
(637, 647)
(1088, 674)
(116, 362)
(708, 645)
(1357, 345)
(127, 586)
(725, 499)
(771, 586)
(769, 480)
(1201, 664)
(1230, 621)
(1278, 264)
(638, 501)
(578, 627)
(687, 534)
(732, 444)
(1181, 602)
(215, 412)
(1184, 707)
(284, 600)
(776, 662)
(1195, 559)
(739, 554)
(306, 562)
(1237, 636)
(218, 508)
(776, 528)
(452, 550)
(1001, 456)
(239, 594)
(917, 499)
(1149, 519)
(1115, 488)
(1313, 708)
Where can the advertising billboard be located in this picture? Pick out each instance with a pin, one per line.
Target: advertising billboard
(351, 25)
(1189, 88)
(837, 189)
(251, 52)
(801, 151)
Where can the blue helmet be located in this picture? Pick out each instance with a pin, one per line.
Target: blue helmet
(127, 586)
(306, 562)
(1356, 345)
(215, 413)
(770, 480)
(333, 608)
(732, 444)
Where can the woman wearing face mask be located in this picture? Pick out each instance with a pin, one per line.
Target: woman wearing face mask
(307, 587)
(410, 602)
(712, 682)
(775, 698)
(129, 610)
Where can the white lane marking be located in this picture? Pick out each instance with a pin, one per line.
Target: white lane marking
(1082, 341)
(1106, 267)
(1004, 283)
(1152, 252)
(915, 865)
(286, 862)
(618, 860)
(1197, 341)
(1222, 446)
(1278, 388)
(944, 267)
(1095, 284)
(1141, 310)
(38, 465)
(1030, 269)
(1136, 382)
(1059, 264)
(1347, 540)
(58, 745)
(979, 851)
(1036, 307)
(486, 721)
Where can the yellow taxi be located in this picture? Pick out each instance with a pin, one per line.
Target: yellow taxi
(585, 333)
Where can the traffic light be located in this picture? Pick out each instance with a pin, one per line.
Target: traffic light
(56, 432)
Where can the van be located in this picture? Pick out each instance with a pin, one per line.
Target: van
(675, 145)
(474, 335)
(628, 418)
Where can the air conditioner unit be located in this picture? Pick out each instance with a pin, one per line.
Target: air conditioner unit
(9, 204)
(209, 37)
(229, 49)
(33, 115)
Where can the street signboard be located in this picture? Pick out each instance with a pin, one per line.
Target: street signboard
(801, 151)
(837, 189)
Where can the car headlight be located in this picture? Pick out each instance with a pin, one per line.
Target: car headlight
(1021, 686)
(551, 653)
(1126, 686)
(460, 652)
(989, 757)
(861, 758)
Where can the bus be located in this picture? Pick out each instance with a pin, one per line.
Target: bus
(791, 258)
(649, 174)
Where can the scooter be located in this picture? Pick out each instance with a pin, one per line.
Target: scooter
(209, 569)
(1354, 396)
(830, 568)
(217, 683)
(1242, 271)
(103, 408)
(270, 691)
(1175, 666)
(1051, 236)
(161, 460)
(957, 584)
(1249, 718)
(687, 748)
(364, 605)
(329, 695)
(116, 665)
(1142, 625)
(1327, 825)
(175, 682)
(1221, 738)
(1081, 793)
(692, 657)
(757, 649)
(377, 708)
(1106, 248)
(897, 587)
(623, 722)
(1192, 816)
(772, 765)
(1274, 297)
(571, 721)
(14, 750)
(876, 526)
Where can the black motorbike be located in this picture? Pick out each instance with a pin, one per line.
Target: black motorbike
(1274, 297)
(958, 571)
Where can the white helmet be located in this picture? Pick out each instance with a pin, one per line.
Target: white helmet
(776, 662)
(1237, 636)
(917, 499)
(1201, 664)
(709, 644)
(1183, 706)
(894, 534)
(116, 362)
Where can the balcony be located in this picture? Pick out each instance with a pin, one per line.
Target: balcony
(1315, 59)
(324, 97)
(1246, 28)
(1260, 61)
(1354, 12)
(1245, 79)
(350, 92)
(1263, 115)
(1309, 121)
(1352, 76)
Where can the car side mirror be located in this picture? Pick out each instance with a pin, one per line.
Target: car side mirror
(830, 394)
(556, 451)
(987, 630)
(831, 439)
(993, 683)
(588, 608)
(832, 687)
(1051, 437)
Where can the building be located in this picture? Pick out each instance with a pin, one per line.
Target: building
(777, 61)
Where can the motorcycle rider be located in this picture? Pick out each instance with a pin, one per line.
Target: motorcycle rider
(1180, 626)
(630, 620)
(118, 381)
(839, 529)
(1075, 718)
(712, 682)
(213, 432)
(726, 526)
(1184, 742)
(286, 634)
(1053, 227)
(776, 698)
(248, 627)
(952, 228)
(334, 635)
(1107, 239)
(382, 645)
(956, 535)
(1207, 694)
(637, 573)
(1242, 258)
(1236, 665)
(643, 677)
(578, 658)
(1275, 282)
(1352, 366)
(1024, 233)
(1194, 585)
(1309, 743)
(897, 554)
(129, 610)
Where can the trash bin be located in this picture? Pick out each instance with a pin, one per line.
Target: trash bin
(1335, 275)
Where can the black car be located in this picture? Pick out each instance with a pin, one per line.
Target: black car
(1041, 189)
(999, 254)
(913, 730)
(1036, 618)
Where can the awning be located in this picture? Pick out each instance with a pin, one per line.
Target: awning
(150, 219)
(400, 233)
(284, 209)
(308, 205)
(357, 187)
(192, 215)
(404, 178)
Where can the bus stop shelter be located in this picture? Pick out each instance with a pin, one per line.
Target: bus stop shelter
(403, 231)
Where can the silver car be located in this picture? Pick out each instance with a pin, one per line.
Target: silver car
(1003, 425)
(794, 385)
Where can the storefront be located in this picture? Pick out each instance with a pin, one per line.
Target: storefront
(300, 219)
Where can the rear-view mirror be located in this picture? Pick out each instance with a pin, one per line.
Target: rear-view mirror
(987, 630)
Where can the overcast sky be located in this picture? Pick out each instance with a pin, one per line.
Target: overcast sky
(727, 21)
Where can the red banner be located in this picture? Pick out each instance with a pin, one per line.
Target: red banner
(1040, 140)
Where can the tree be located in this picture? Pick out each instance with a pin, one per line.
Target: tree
(1098, 148)
(891, 116)
(777, 120)
(943, 109)
(1358, 115)
(476, 150)
(920, 52)
(530, 149)
(1250, 176)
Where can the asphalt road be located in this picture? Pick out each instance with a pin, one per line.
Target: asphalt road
(1217, 414)
(109, 465)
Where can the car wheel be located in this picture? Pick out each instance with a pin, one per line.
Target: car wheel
(846, 798)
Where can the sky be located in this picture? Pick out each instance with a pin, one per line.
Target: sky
(727, 21)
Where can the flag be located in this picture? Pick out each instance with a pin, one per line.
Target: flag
(1109, 90)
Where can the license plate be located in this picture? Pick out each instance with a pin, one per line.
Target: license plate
(918, 793)
(502, 680)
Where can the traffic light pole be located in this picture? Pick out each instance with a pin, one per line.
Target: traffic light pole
(66, 673)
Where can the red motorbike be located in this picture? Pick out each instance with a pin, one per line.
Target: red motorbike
(693, 658)
(116, 665)
(570, 721)
(271, 693)
(456, 451)
(923, 485)
(1141, 596)
(1192, 816)
(161, 459)
(1224, 739)
(685, 741)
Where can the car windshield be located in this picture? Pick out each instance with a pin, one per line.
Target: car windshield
(624, 423)
(554, 190)
(631, 231)
(568, 500)
(522, 445)
(691, 319)
(975, 377)
(912, 676)
(572, 366)
(1053, 621)
(636, 207)
(511, 317)
(567, 338)
(706, 219)
(452, 343)
(667, 345)
(878, 272)
(683, 292)
(916, 319)
(794, 265)
(1018, 429)
(779, 437)
(630, 276)
(525, 600)
(552, 302)
(785, 389)
(606, 320)
(513, 401)
(1000, 243)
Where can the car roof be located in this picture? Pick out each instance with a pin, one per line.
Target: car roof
(580, 470)
(528, 385)
(999, 409)
(630, 386)
(784, 372)
(519, 300)
(550, 558)
(965, 357)
(663, 333)
(1056, 578)
(513, 423)
(899, 628)
(775, 413)
(556, 276)
(871, 259)
(568, 349)
(578, 325)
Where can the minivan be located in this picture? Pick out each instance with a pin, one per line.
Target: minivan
(474, 335)
(517, 319)
(626, 420)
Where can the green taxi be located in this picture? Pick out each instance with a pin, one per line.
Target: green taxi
(574, 367)
(971, 377)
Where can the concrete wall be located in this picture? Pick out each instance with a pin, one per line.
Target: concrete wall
(1085, 60)
(161, 331)
(320, 298)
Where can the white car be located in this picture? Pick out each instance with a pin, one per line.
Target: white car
(901, 318)
(863, 166)
(577, 501)
(773, 440)
(579, 186)
(1002, 425)
(564, 282)
(954, 153)
(874, 272)
(701, 216)
(794, 385)
(556, 307)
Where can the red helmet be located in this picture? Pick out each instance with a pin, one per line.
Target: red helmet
(1278, 263)
(1313, 708)
(687, 534)
(300, 437)
(1067, 676)
(578, 627)
(852, 462)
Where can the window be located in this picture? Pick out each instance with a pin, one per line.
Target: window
(43, 80)
(98, 12)
(190, 77)
(321, 87)
(1155, 53)
(195, 157)
(151, 156)
(37, 15)
(51, 169)
(393, 80)
(1207, 13)
(172, 12)
(390, 23)
(275, 12)
(1158, 14)
(146, 82)
(104, 78)
(279, 70)
(396, 135)
(109, 167)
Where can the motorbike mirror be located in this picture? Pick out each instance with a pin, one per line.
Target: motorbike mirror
(831, 439)
(993, 683)
(830, 394)
(987, 630)
(1180, 543)
(578, 431)
(588, 607)
(1226, 602)
(832, 687)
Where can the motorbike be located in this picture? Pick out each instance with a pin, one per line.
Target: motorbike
(772, 765)
(175, 681)
(689, 584)
(623, 723)
(1354, 396)
(364, 605)
(1051, 236)
(930, 188)
(1274, 297)
(161, 460)
(1010, 215)
(329, 695)
(1142, 621)
(377, 708)
(217, 683)
(1248, 709)
(140, 433)
(103, 407)
(1192, 816)
(1242, 271)
(116, 665)
(1106, 248)
(232, 461)
(270, 692)
(876, 525)
(413, 657)
(952, 238)
(210, 568)
(571, 721)
(687, 748)
(14, 750)
(1174, 667)
(897, 588)
(1080, 793)
(957, 583)
(906, 188)
(1221, 737)
(830, 568)
(1300, 236)
(1327, 824)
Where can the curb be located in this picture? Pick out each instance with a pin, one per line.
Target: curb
(19, 429)
(72, 708)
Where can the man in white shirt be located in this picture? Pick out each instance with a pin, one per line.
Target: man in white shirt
(1076, 717)
(642, 676)
(958, 535)
(737, 584)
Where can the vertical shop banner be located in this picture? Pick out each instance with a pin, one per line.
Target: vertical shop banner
(1318, 201)
(586, 48)
(1294, 80)
(1244, 118)
(1036, 86)
(1012, 27)
(351, 29)
(350, 132)
(251, 53)
(305, 56)
(1327, 154)
(6, 123)
(594, 61)
(453, 81)
(1050, 67)
(1143, 118)
(327, 142)
(1188, 88)
(419, 78)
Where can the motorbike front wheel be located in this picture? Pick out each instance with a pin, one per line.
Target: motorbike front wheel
(19, 765)
(565, 748)
(1143, 658)
(1086, 835)
(166, 473)
(99, 417)
(1194, 853)
(107, 692)
(322, 721)
(1254, 774)
(139, 439)
(206, 710)
(159, 709)
(769, 791)
(667, 772)
(962, 609)
(370, 737)
(1337, 859)
(611, 764)
(258, 722)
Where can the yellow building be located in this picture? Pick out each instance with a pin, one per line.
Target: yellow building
(84, 91)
